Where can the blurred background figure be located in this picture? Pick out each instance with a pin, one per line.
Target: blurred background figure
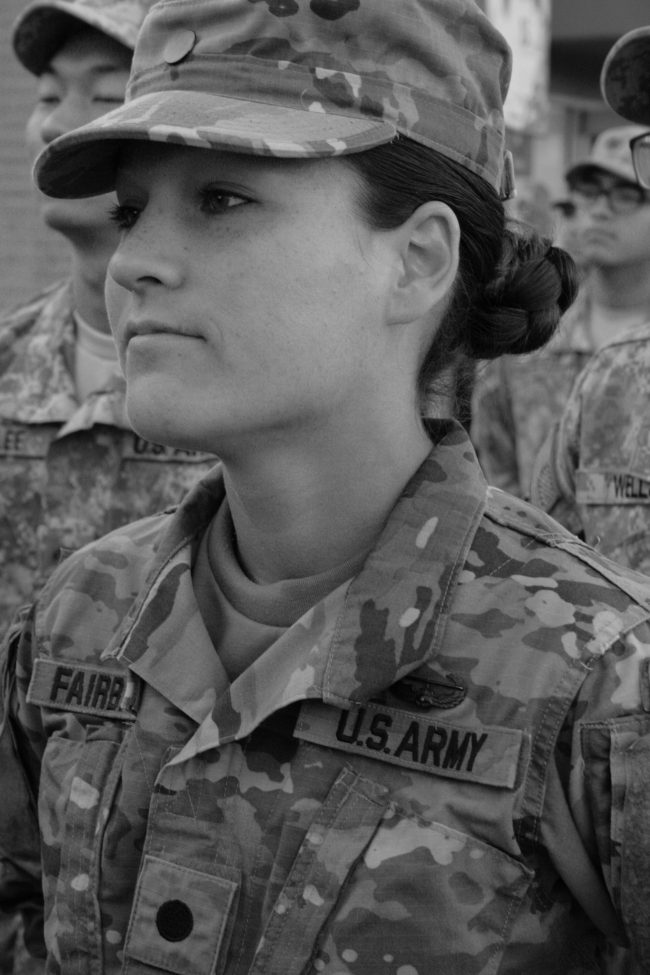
(593, 472)
(71, 468)
(517, 399)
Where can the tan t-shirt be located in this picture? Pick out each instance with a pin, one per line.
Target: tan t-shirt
(244, 617)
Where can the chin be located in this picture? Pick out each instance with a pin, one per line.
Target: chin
(158, 425)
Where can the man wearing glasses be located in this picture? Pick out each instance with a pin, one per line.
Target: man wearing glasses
(593, 472)
(518, 399)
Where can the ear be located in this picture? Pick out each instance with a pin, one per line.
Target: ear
(428, 245)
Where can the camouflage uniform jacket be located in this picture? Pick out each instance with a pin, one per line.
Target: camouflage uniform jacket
(69, 472)
(516, 399)
(593, 472)
(441, 768)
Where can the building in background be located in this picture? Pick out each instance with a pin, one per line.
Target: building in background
(554, 111)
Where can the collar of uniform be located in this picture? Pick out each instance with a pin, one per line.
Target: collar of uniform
(106, 407)
(574, 333)
(35, 383)
(370, 633)
(396, 608)
(163, 638)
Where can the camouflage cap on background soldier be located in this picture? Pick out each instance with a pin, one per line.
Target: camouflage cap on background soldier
(44, 26)
(303, 81)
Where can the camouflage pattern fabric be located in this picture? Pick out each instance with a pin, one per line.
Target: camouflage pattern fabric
(441, 767)
(625, 76)
(593, 473)
(517, 399)
(69, 472)
(303, 78)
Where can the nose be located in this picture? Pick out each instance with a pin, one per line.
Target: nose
(601, 205)
(146, 259)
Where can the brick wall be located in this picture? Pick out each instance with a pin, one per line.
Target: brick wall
(30, 254)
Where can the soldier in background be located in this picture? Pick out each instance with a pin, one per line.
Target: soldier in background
(593, 472)
(71, 468)
(517, 399)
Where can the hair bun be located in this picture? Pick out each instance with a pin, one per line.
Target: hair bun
(534, 285)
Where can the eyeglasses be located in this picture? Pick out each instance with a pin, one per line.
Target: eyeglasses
(640, 147)
(565, 207)
(622, 197)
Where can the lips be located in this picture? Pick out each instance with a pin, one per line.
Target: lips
(598, 235)
(137, 329)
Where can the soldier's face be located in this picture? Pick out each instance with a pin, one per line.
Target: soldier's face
(86, 78)
(615, 239)
(255, 301)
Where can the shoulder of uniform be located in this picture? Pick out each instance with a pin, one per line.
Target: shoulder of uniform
(27, 310)
(515, 513)
(19, 320)
(633, 338)
(630, 351)
(537, 535)
(93, 589)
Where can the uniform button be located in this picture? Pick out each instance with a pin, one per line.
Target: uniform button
(179, 46)
(174, 921)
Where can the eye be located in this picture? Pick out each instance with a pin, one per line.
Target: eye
(48, 91)
(123, 216)
(215, 200)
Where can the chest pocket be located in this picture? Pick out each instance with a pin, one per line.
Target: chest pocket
(370, 886)
(390, 893)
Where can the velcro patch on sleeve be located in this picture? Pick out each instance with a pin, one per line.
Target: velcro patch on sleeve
(107, 693)
(483, 753)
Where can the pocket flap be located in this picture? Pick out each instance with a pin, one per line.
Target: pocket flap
(179, 918)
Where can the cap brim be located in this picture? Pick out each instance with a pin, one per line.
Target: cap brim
(82, 162)
(43, 27)
(625, 76)
(587, 167)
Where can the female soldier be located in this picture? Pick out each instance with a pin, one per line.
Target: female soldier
(346, 710)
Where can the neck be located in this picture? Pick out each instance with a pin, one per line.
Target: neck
(299, 512)
(626, 287)
(88, 276)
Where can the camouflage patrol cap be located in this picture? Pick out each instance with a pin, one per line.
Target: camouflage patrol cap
(45, 25)
(302, 78)
(625, 77)
(610, 153)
